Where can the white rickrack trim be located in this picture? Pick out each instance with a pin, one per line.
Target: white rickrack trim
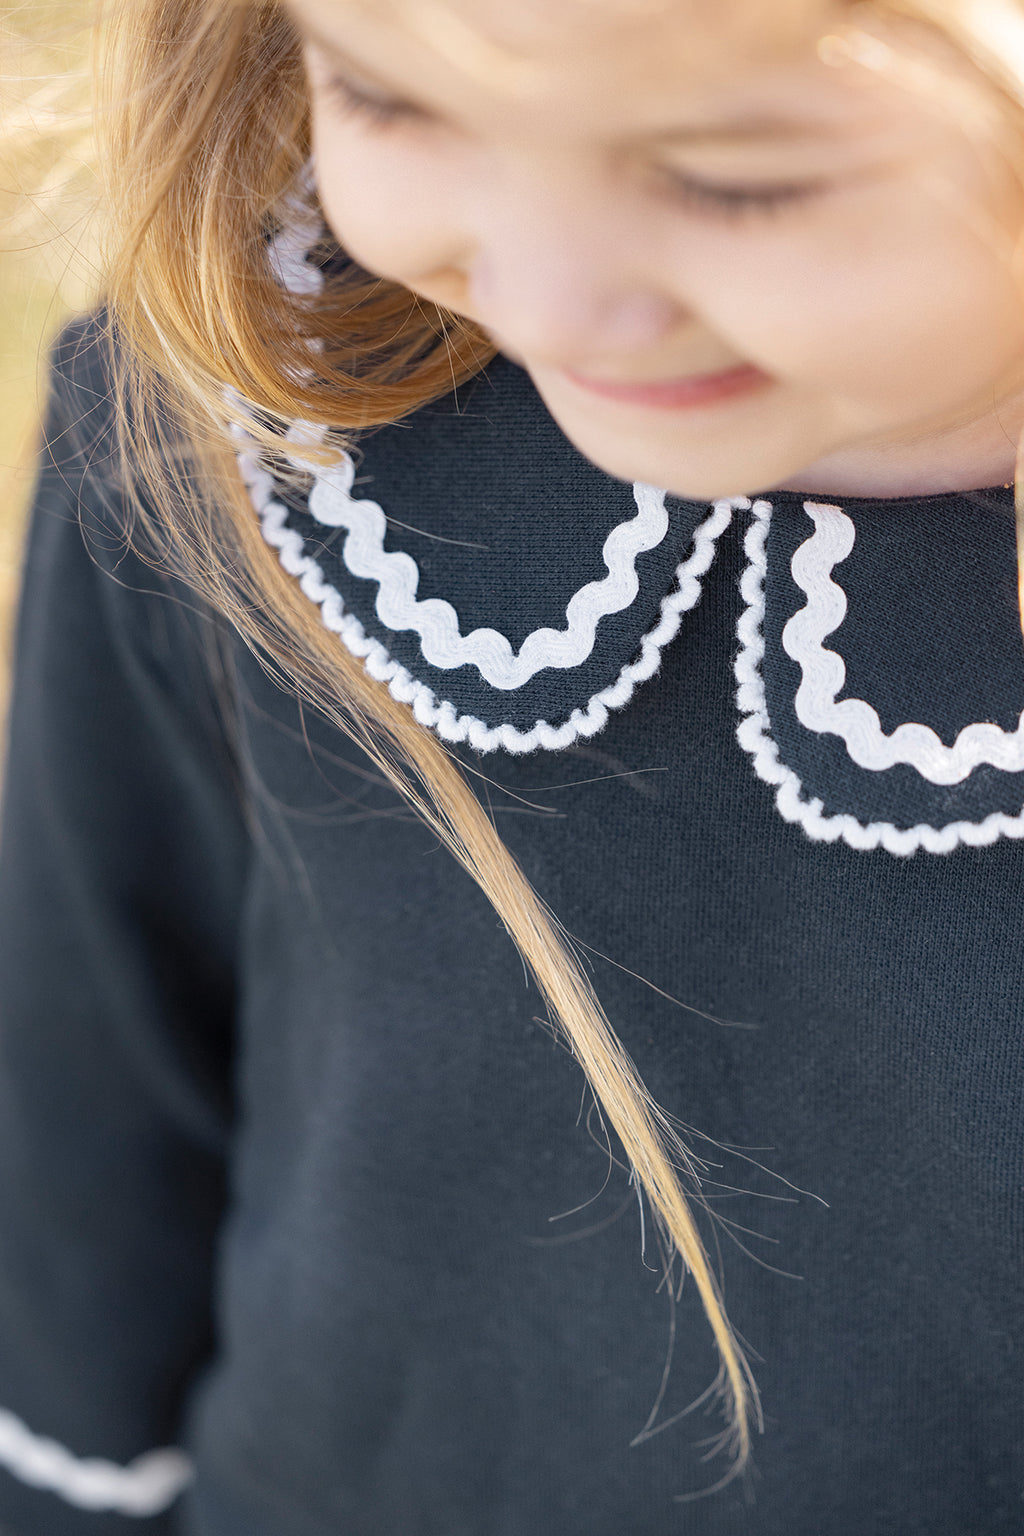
(823, 675)
(301, 226)
(147, 1486)
(440, 714)
(754, 736)
(437, 622)
(396, 573)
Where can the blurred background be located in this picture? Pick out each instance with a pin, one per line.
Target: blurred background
(49, 239)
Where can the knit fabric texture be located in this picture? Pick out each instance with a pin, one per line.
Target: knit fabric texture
(298, 1193)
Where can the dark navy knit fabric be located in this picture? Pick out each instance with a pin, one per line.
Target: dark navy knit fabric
(294, 1177)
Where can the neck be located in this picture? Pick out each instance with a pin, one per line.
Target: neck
(963, 458)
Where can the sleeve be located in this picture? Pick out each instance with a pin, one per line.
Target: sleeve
(121, 869)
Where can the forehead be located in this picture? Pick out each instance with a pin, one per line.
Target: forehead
(529, 27)
(611, 67)
(528, 40)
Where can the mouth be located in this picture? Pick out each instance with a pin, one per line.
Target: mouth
(675, 394)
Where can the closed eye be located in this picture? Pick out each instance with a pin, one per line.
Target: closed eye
(380, 111)
(377, 111)
(736, 201)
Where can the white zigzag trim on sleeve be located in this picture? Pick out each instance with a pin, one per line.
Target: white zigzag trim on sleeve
(440, 714)
(824, 674)
(147, 1486)
(754, 736)
(437, 622)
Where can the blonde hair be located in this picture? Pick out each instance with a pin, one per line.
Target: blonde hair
(208, 137)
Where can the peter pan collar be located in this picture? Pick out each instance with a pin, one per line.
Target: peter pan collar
(881, 668)
(508, 590)
(514, 595)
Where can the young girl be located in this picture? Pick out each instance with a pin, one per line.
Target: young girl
(534, 524)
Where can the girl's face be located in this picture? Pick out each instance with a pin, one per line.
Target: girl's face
(730, 256)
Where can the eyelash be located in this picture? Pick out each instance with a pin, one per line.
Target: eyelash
(735, 202)
(728, 202)
(373, 110)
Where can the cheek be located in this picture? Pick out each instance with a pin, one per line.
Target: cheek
(384, 208)
(879, 305)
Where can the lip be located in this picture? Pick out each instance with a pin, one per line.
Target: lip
(676, 394)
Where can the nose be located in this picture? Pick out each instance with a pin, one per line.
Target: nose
(564, 284)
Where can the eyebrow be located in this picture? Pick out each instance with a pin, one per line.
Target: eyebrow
(749, 128)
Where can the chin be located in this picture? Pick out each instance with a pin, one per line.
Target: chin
(697, 480)
(701, 471)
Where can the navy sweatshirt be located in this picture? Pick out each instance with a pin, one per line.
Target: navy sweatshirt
(307, 1224)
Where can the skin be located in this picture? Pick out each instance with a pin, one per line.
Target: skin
(556, 170)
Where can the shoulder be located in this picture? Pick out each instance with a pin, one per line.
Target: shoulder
(86, 554)
(81, 497)
(93, 448)
(81, 419)
(83, 356)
